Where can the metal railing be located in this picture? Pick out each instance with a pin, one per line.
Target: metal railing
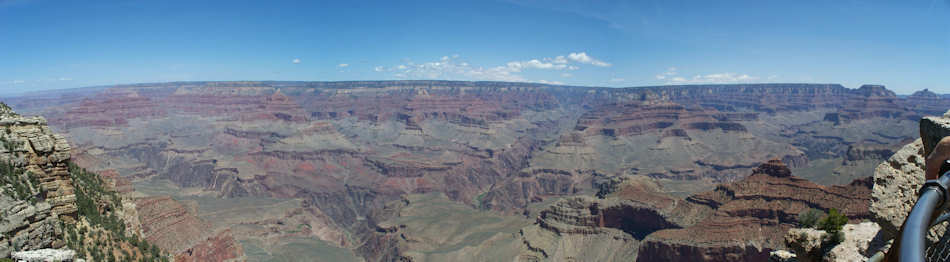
(934, 199)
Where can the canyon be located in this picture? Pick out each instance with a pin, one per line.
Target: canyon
(381, 170)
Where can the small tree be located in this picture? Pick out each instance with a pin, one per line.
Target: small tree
(809, 218)
(832, 223)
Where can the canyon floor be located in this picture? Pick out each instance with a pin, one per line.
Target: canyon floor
(482, 171)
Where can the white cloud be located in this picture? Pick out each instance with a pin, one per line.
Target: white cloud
(343, 65)
(615, 80)
(714, 79)
(65, 79)
(669, 73)
(451, 67)
(550, 82)
(296, 61)
(671, 76)
(583, 58)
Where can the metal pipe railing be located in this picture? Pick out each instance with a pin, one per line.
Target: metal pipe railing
(933, 198)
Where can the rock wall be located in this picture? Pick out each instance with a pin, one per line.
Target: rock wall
(42, 154)
(30, 145)
(25, 226)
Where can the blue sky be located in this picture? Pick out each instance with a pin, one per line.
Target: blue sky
(46, 44)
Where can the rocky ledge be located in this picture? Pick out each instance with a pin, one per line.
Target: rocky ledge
(37, 189)
(758, 209)
(30, 145)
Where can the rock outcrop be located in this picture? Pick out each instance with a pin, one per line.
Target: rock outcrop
(806, 243)
(896, 182)
(758, 209)
(48, 202)
(858, 244)
(26, 226)
(44, 255)
(43, 155)
(37, 160)
(606, 229)
(932, 129)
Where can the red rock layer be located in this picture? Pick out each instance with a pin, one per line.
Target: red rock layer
(169, 224)
(114, 107)
(221, 247)
(245, 104)
(753, 213)
(668, 118)
(470, 107)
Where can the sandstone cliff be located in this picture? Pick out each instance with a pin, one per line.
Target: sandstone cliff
(47, 202)
(35, 160)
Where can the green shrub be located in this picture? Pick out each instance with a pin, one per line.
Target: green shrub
(809, 218)
(17, 183)
(832, 223)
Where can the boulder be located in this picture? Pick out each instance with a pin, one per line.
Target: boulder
(896, 182)
(858, 243)
(782, 256)
(806, 243)
(934, 128)
(44, 255)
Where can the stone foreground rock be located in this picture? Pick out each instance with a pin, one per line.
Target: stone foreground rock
(782, 256)
(897, 180)
(858, 243)
(806, 243)
(44, 255)
(932, 129)
(810, 244)
(24, 226)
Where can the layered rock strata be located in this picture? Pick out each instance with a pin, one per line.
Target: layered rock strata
(759, 210)
(31, 222)
(43, 155)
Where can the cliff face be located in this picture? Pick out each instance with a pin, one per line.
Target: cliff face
(25, 226)
(759, 210)
(606, 229)
(37, 162)
(31, 146)
(47, 202)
